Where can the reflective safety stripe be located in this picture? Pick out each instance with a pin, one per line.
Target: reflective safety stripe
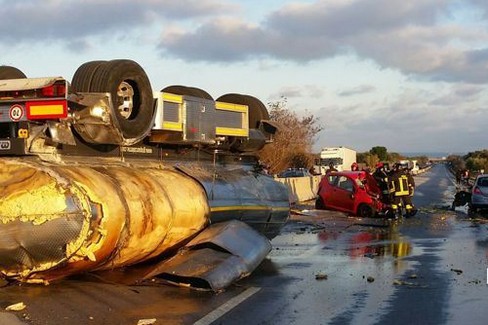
(392, 186)
(402, 189)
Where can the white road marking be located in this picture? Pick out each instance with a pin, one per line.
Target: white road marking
(226, 307)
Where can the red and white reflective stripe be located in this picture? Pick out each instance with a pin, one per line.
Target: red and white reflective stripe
(53, 109)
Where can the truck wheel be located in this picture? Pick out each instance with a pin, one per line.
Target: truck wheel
(189, 91)
(83, 76)
(365, 211)
(257, 110)
(8, 72)
(131, 94)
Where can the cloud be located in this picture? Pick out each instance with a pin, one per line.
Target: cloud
(65, 20)
(289, 92)
(453, 120)
(459, 94)
(415, 37)
(222, 39)
(420, 38)
(363, 89)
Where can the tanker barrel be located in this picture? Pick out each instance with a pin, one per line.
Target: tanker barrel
(57, 220)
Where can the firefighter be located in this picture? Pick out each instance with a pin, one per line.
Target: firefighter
(393, 184)
(331, 168)
(409, 207)
(401, 191)
(354, 167)
(381, 177)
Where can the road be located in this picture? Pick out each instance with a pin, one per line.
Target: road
(325, 268)
(430, 269)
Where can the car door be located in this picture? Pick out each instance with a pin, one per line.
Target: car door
(341, 196)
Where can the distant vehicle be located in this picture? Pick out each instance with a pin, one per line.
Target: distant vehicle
(479, 193)
(356, 193)
(340, 157)
(295, 172)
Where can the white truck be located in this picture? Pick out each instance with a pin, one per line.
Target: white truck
(341, 157)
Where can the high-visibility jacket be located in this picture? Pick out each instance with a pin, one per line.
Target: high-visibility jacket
(399, 184)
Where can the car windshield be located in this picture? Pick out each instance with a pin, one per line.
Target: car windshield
(483, 181)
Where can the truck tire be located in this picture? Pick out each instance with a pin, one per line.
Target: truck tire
(257, 110)
(131, 94)
(83, 76)
(187, 91)
(8, 72)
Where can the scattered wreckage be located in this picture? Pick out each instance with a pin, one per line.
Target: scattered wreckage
(101, 173)
(474, 195)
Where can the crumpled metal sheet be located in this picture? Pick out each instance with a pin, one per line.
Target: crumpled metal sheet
(218, 256)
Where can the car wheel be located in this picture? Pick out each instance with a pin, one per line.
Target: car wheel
(7, 72)
(365, 211)
(319, 204)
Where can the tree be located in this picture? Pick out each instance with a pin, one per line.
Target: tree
(372, 160)
(368, 159)
(456, 163)
(394, 157)
(422, 160)
(380, 152)
(292, 143)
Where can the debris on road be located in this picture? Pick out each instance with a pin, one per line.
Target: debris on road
(321, 276)
(458, 272)
(370, 279)
(149, 321)
(16, 307)
(401, 283)
(408, 284)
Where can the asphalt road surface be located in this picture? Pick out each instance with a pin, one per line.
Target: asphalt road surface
(325, 268)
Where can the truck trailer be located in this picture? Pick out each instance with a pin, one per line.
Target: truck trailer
(340, 157)
(102, 172)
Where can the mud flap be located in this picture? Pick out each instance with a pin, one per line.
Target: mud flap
(218, 256)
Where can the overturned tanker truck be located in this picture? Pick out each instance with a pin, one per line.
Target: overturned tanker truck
(102, 173)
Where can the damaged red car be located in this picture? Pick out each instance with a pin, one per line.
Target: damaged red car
(356, 193)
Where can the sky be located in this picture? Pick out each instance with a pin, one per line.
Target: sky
(408, 75)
